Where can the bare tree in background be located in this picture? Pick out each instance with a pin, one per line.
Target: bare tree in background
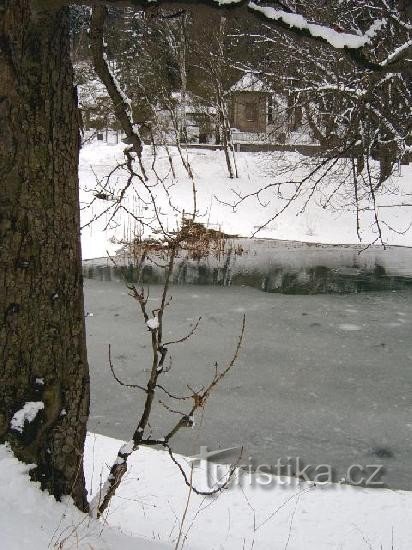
(356, 107)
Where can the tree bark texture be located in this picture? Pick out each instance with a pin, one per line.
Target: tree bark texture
(42, 334)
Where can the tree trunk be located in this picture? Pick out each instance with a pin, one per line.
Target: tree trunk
(42, 334)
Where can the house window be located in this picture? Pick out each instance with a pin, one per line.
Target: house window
(251, 112)
(271, 108)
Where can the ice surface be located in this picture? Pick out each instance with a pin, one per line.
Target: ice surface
(302, 385)
(349, 326)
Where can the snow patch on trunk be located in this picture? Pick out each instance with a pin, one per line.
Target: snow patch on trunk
(27, 414)
(153, 323)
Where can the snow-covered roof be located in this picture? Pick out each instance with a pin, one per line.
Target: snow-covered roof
(250, 82)
(192, 104)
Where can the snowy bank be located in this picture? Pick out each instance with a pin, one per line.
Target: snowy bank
(320, 221)
(150, 504)
(32, 520)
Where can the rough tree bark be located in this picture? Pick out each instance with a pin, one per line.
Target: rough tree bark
(42, 333)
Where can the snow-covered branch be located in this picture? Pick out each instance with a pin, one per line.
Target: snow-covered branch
(122, 104)
(336, 39)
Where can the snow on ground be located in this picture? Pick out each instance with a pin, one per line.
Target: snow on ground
(335, 223)
(297, 516)
(33, 520)
(258, 511)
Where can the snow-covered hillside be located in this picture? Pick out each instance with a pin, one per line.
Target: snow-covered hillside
(322, 219)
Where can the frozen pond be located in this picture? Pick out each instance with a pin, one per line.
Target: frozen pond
(326, 378)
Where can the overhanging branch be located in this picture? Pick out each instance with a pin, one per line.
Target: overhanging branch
(353, 46)
(122, 107)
